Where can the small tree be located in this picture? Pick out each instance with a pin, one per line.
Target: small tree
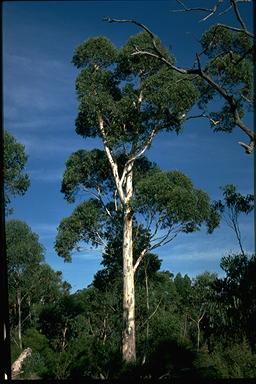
(125, 102)
(200, 301)
(24, 255)
(235, 299)
(231, 208)
(16, 182)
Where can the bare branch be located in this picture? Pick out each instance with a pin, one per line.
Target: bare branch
(161, 58)
(153, 313)
(99, 198)
(145, 146)
(101, 241)
(235, 29)
(115, 200)
(214, 122)
(246, 99)
(111, 160)
(238, 16)
(214, 9)
(110, 20)
(225, 11)
(164, 240)
(137, 154)
(186, 9)
(248, 148)
(141, 256)
(210, 11)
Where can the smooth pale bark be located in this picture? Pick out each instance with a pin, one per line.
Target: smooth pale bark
(19, 318)
(124, 188)
(129, 345)
(17, 365)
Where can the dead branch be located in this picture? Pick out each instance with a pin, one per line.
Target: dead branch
(210, 11)
(235, 29)
(238, 15)
(153, 313)
(17, 365)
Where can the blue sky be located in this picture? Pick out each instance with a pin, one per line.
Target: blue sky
(40, 108)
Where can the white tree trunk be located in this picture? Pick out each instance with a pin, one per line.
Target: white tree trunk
(129, 345)
(124, 188)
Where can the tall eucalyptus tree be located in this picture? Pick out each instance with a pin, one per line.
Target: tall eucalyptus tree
(125, 102)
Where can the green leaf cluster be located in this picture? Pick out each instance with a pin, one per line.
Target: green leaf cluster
(125, 89)
(85, 223)
(230, 64)
(16, 181)
(173, 197)
(86, 170)
(95, 51)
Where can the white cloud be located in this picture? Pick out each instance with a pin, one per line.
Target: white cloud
(44, 227)
(45, 231)
(40, 67)
(49, 145)
(50, 175)
(40, 87)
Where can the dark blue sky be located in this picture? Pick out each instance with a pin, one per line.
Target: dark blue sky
(40, 108)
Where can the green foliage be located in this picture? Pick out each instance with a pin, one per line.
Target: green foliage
(84, 224)
(183, 288)
(170, 97)
(235, 298)
(89, 170)
(235, 201)
(85, 170)
(112, 259)
(230, 64)
(233, 362)
(232, 206)
(23, 249)
(16, 182)
(172, 195)
(126, 93)
(90, 347)
(138, 64)
(39, 363)
(95, 51)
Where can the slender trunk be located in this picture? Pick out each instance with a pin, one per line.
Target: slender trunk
(129, 348)
(147, 303)
(64, 332)
(198, 335)
(19, 318)
(238, 236)
(185, 327)
(29, 310)
(198, 330)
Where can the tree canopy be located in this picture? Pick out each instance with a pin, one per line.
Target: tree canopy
(222, 70)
